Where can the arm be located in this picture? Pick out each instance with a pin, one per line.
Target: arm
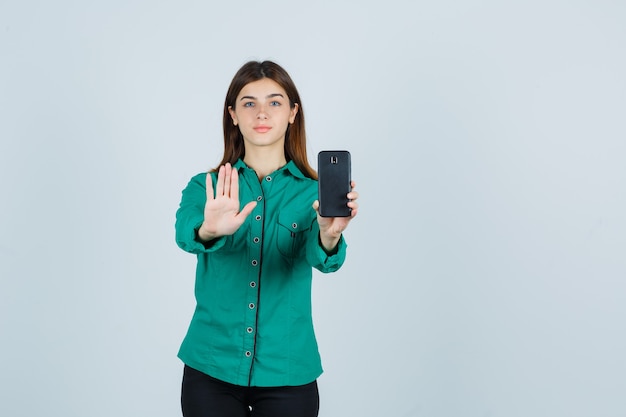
(189, 215)
(327, 251)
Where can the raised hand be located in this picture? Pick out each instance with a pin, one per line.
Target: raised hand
(332, 227)
(222, 216)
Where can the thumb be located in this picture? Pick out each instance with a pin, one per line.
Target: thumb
(247, 209)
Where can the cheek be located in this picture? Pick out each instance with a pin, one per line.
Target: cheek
(244, 117)
(285, 115)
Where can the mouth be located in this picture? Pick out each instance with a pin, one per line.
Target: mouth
(262, 129)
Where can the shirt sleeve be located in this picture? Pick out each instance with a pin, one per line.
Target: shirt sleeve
(318, 258)
(189, 218)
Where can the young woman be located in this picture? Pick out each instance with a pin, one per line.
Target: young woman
(252, 222)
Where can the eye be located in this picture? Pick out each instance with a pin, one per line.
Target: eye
(248, 104)
(275, 103)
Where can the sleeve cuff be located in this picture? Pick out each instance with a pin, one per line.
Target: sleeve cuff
(322, 260)
(189, 241)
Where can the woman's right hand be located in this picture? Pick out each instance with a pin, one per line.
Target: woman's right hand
(221, 211)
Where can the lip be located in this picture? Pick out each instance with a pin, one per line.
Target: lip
(262, 129)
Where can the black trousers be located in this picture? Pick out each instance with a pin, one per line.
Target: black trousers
(204, 396)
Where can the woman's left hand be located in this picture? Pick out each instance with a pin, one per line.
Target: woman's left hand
(332, 227)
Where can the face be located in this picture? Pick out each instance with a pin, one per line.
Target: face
(262, 113)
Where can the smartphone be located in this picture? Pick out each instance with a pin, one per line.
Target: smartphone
(334, 177)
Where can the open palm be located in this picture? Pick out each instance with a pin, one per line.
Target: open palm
(221, 212)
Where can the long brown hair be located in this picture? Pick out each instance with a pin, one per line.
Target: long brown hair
(295, 137)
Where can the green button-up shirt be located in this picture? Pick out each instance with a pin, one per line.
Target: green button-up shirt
(252, 324)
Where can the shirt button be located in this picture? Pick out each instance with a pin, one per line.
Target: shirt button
(259, 198)
(253, 284)
(254, 262)
(256, 240)
(251, 305)
(258, 217)
(294, 225)
(249, 329)
(268, 178)
(248, 353)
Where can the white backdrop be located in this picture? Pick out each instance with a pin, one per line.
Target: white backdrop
(486, 269)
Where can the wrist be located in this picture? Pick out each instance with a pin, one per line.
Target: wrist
(205, 235)
(329, 243)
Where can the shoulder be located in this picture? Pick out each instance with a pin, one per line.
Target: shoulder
(196, 183)
(199, 178)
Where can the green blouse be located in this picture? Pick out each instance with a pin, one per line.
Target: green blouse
(252, 324)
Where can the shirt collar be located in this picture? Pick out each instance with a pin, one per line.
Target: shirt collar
(289, 166)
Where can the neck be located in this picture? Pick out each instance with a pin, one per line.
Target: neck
(264, 162)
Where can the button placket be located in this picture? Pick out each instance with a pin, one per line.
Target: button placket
(253, 283)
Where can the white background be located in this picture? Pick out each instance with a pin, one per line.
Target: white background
(486, 269)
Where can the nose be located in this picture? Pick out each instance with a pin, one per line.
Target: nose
(262, 114)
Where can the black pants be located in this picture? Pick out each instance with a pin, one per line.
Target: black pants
(204, 396)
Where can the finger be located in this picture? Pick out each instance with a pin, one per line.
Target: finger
(353, 195)
(316, 205)
(354, 208)
(220, 182)
(234, 184)
(352, 184)
(247, 209)
(227, 175)
(209, 187)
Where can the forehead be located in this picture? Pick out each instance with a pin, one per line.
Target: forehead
(261, 89)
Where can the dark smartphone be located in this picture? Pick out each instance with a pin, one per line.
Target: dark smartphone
(333, 171)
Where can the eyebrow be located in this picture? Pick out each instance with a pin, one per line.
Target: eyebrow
(254, 98)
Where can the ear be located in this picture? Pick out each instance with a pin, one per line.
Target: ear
(293, 112)
(233, 115)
